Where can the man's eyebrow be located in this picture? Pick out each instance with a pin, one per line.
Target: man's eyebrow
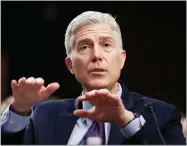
(83, 40)
(106, 38)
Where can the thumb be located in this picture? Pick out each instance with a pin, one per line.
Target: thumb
(51, 88)
(86, 113)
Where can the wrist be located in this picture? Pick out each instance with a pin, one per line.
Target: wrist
(19, 109)
(125, 118)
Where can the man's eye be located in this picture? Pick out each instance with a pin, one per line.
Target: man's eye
(106, 45)
(84, 47)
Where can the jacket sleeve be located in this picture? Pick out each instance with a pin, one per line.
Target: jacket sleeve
(16, 129)
(15, 138)
(173, 130)
(169, 125)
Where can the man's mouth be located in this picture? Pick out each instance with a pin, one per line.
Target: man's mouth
(98, 70)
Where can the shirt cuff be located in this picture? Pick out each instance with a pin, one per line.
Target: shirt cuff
(133, 127)
(13, 122)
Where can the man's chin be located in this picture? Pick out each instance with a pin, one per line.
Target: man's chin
(97, 85)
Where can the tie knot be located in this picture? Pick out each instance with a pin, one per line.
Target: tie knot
(95, 121)
(99, 124)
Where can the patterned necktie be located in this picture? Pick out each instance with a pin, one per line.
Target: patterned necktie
(96, 130)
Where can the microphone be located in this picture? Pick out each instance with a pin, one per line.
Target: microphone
(150, 107)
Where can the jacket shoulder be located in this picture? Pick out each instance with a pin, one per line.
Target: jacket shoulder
(54, 106)
(157, 104)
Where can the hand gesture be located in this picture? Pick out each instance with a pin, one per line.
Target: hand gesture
(107, 107)
(27, 92)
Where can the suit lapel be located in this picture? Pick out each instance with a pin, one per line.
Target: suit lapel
(116, 137)
(64, 125)
(64, 129)
(126, 97)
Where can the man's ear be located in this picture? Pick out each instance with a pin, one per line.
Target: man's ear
(69, 64)
(123, 58)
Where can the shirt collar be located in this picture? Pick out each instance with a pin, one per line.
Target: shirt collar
(87, 105)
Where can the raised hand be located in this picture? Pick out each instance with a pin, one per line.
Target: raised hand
(27, 92)
(107, 107)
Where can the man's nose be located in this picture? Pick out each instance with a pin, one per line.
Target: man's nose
(97, 53)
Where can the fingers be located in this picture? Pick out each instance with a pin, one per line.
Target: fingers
(31, 91)
(88, 96)
(31, 82)
(98, 95)
(51, 88)
(39, 81)
(85, 114)
(21, 80)
(107, 94)
(80, 113)
(14, 85)
(103, 92)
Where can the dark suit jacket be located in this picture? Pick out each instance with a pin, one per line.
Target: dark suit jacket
(53, 121)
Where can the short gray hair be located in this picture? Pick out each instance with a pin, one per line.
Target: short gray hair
(87, 18)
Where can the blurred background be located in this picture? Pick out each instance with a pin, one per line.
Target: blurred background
(154, 36)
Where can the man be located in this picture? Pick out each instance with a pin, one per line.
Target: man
(105, 113)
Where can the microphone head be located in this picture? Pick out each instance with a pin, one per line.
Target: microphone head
(149, 106)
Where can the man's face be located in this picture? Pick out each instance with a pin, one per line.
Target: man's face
(96, 59)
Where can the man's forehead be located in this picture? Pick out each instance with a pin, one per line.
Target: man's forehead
(98, 37)
(93, 26)
(94, 30)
